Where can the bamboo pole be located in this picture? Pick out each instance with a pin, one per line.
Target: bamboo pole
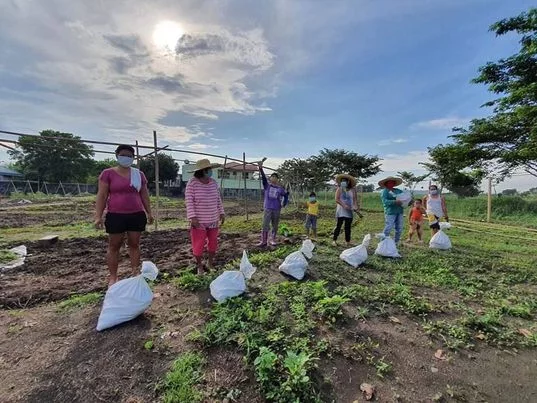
(244, 177)
(222, 178)
(157, 180)
(489, 201)
(137, 154)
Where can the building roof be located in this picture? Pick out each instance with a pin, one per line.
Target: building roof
(9, 172)
(237, 166)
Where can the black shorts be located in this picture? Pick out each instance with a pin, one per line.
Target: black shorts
(117, 223)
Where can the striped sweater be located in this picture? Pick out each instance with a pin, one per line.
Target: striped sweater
(203, 202)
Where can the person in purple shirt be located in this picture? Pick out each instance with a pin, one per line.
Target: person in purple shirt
(275, 197)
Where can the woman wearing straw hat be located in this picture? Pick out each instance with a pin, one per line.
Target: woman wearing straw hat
(347, 203)
(393, 208)
(205, 212)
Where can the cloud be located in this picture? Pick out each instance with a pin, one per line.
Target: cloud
(246, 48)
(392, 141)
(200, 146)
(446, 123)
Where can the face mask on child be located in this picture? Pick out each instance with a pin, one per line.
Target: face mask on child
(344, 184)
(312, 199)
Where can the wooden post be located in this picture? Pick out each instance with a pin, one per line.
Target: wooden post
(489, 201)
(222, 178)
(137, 155)
(157, 180)
(244, 177)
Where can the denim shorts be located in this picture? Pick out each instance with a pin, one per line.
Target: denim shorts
(311, 222)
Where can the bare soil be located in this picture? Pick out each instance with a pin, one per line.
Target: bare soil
(78, 266)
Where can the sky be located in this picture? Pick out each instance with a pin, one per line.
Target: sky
(281, 79)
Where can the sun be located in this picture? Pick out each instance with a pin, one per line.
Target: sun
(166, 35)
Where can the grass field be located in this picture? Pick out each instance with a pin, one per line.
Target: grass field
(419, 328)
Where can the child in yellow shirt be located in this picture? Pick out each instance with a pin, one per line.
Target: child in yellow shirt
(313, 214)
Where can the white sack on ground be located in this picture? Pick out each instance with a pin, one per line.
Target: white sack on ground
(387, 248)
(440, 241)
(357, 255)
(127, 299)
(295, 265)
(20, 252)
(307, 248)
(232, 283)
(445, 225)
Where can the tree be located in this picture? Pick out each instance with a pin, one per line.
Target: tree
(168, 168)
(315, 171)
(510, 192)
(338, 161)
(368, 188)
(411, 181)
(99, 166)
(507, 140)
(62, 158)
(447, 168)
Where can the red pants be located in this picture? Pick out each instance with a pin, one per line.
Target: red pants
(202, 236)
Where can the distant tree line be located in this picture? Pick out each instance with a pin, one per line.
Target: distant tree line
(63, 157)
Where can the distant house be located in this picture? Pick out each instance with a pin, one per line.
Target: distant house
(7, 174)
(231, 179)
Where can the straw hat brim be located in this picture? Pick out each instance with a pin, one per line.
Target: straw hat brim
(398, 181)
(350, 178)
(207, 166)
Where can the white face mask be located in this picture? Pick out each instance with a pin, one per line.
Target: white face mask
(343, 185)
(434, 192)
(125, 161)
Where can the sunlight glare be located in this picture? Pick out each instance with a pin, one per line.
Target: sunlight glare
(166, 35)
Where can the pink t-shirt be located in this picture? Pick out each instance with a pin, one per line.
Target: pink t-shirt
(122, 197)
(203, 201)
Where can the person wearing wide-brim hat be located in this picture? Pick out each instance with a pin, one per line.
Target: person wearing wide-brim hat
(205, 211)
(393, 208)
(347, 204)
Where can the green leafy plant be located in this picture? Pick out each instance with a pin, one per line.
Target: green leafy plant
(79, 301)
(181, 383)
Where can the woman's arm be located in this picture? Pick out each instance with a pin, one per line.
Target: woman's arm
(263, 177)
(424, 201)
(444, 208)
(338, 197)
(220, 206)
(100, 204)
(146, 201)
(190, 205)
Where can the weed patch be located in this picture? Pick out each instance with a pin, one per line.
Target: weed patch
(181, 383)
(79, 301)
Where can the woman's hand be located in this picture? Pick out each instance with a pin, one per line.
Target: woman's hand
(99, 224)
(150, 219)
(222, 219)
(194, 222)
(399, 202)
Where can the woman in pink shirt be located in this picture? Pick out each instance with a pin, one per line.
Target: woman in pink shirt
(123, 191)
(205, 212)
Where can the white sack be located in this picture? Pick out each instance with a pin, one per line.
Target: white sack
(440, 241)
(307, 248)
(387, 248)
(232, 283)
(295, 265)
(404, 197)
(127, 299)
(357, 255)
(21, 253)
(445, 225)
